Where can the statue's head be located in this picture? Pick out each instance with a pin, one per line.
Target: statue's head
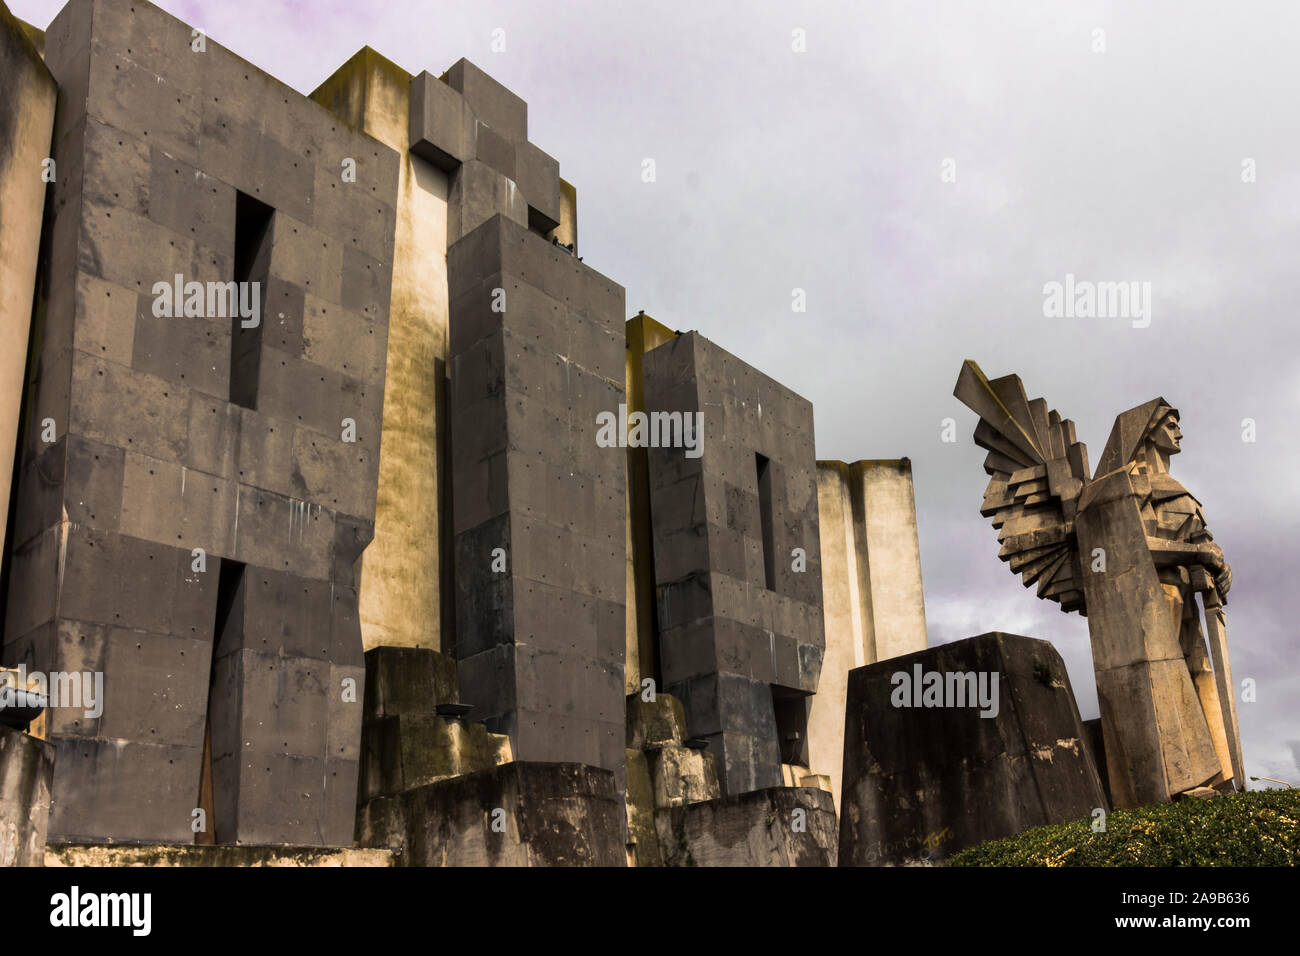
(1147, 435)
(1165, 434)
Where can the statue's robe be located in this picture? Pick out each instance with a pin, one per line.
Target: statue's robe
(1158, 740)
(1170, 513)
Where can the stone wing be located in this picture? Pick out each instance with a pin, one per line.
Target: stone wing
(1036, 472)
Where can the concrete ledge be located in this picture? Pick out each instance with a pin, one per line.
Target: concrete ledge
(163, 854)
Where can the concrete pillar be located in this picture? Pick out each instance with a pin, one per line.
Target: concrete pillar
(871, 587)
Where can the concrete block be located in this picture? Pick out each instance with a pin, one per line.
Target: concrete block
(496, 151)
(478, 193)
(906, 798)
(492, 103)
(408, 681)
(441, 123)
(553, 815)
(538, 176)
(782, 826)
(137, 791)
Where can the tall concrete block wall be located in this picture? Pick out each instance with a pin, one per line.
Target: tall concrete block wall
(171, 438)
(739, 609)
(871, 587)
(26, 128)
(537, 354)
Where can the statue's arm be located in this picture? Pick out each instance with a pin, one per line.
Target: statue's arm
(1206, 553)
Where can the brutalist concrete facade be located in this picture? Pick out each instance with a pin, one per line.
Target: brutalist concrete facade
(536, 356)
(736, 559)
(176, 157)
(432, 356)
(927, 776)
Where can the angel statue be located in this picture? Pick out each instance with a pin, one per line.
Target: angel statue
(1128, 548)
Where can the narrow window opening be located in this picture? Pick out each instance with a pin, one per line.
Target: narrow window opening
(221, 730)
(791, 710)
(765, 517)
(252, 264)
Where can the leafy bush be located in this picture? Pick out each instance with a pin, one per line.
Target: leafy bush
(1256, 828)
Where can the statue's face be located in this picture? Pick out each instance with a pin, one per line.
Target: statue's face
(1168, 435)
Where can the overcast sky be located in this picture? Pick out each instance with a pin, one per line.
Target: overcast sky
(821, 170)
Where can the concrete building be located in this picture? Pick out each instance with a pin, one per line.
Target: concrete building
(328, 436)
(190, 532)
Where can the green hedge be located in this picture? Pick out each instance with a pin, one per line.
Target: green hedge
(1256, 828)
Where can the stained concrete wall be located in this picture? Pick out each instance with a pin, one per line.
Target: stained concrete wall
(927, 775)
(730, 645)
(26, 128)
(26, 773)
(537, 346)
(782, 826)
(643, 334)
(519, 814)
(871, 587)
(406, 570)
(83, 854)
(154, 141)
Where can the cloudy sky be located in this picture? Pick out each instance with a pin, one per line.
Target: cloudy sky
(1110, 141)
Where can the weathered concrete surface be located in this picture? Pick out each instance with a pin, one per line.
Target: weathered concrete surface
(26, 773)
(643, 334)
(922, 782)
(662, 771)
(89, 854)
(546, 814)
(406, 570)
(537, 354)
(169, 439)
(736, 558)
(679, 774)
(1158, 741)
(26, 128)
(405, 743)
(871, 588)
(780, 826)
